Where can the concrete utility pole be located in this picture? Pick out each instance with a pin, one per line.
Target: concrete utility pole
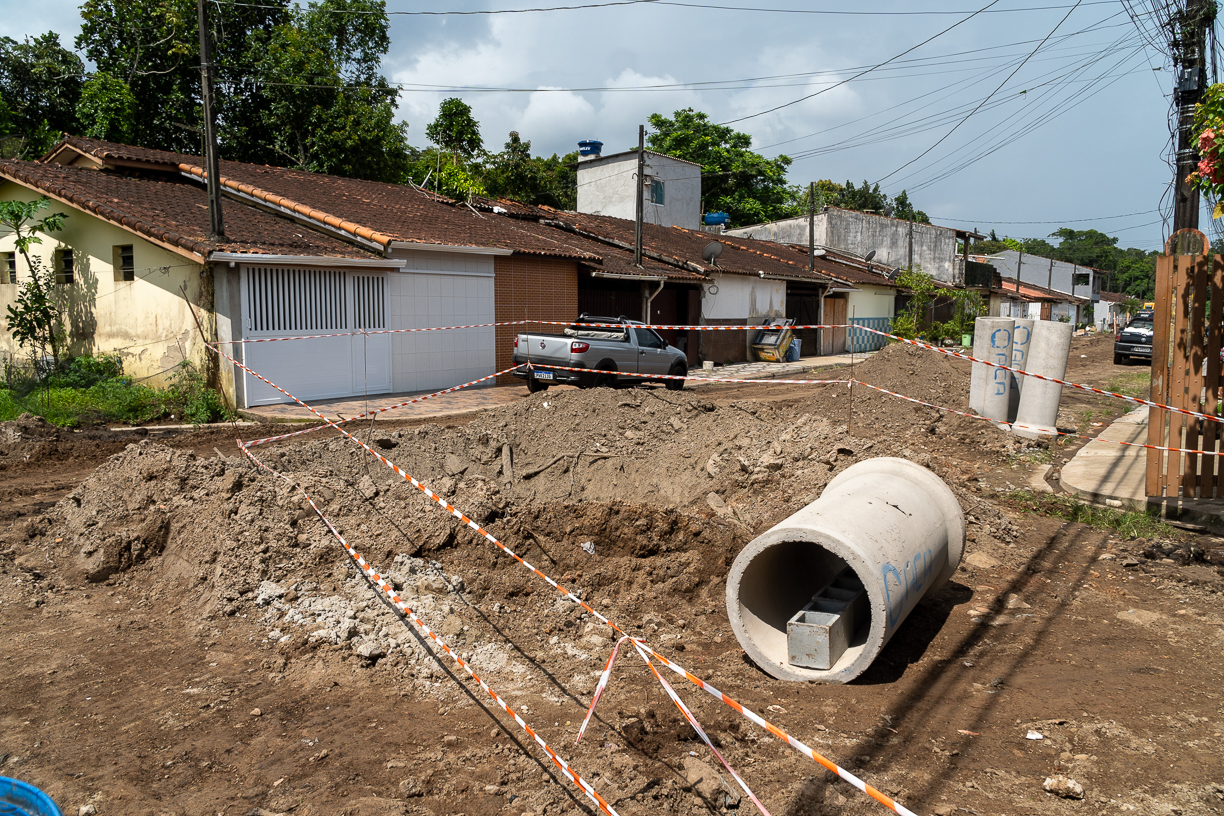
(641, 193)
(1019, 270)
(212, 163)
(812, 228)
(1189, 48)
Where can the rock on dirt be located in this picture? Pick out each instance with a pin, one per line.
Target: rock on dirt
(1063, 786)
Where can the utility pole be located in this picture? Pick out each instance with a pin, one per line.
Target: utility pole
(1189, 48)
(641, 192)
(911, 241)
(812, 228)
(212, 163)
(1019, 270)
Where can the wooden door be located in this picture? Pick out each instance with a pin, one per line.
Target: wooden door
(834, 340)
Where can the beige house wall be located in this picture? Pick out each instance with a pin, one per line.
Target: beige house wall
(871, 301)
(146, 321)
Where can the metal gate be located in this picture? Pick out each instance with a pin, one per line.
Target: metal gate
(279, 302)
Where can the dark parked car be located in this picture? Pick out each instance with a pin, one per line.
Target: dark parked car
(1136, 339)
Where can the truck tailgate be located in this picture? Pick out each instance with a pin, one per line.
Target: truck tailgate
(544, 348)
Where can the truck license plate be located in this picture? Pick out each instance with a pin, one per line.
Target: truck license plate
(544, 375)
(1143, 348)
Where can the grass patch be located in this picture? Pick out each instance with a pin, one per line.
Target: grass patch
(1128, 523)
(1131, 384)
(90, 391)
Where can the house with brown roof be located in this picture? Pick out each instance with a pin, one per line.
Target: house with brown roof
(350, 265)
(303, 254)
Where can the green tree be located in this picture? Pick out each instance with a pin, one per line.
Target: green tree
(321, 83)
(456, 131)
(35, 319)
(735, 179)
(296, 85)
(107, 109)
(904, 209)
(517, 175)
(40, 82)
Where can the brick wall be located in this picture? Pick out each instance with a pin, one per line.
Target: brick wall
(532, 288)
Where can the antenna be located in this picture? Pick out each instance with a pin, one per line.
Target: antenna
(711, 252)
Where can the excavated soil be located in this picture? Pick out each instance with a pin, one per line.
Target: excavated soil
(186, 637)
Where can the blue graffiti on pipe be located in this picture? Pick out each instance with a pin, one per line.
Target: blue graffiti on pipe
(1019, 351)
(911, 578)
(1002, 350)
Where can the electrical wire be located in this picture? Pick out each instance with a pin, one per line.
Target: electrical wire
(984, 101)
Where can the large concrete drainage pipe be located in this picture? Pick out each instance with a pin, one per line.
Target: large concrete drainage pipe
(818, 595)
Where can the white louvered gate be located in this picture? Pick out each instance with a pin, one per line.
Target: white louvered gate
(290, 302)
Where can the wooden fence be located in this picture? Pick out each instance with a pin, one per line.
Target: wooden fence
(1186, 374)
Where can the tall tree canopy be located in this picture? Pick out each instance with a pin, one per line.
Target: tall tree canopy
(40, 82)
(296, 85)
(517, 175)
(735, 180)
(869, 198)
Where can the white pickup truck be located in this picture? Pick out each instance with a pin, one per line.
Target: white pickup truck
(610, 351)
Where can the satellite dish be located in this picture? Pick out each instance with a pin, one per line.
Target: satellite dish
(818, 252)
(711, 252)
(869, 255)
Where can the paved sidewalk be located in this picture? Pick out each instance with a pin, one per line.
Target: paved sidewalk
(1108, 473)
(1115, 475)
(485, 396)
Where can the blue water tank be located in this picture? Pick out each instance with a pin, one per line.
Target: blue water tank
(716, 219)
(590, 147)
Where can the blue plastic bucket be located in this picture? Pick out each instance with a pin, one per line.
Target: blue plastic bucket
(18, 798)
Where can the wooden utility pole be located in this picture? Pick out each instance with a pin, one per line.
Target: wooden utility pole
(812, 228)
(212, 162)
(641, 193)
(1190, 62)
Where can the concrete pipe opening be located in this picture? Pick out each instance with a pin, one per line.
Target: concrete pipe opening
(819, 595)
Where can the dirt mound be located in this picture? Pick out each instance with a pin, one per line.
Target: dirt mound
(30, 442)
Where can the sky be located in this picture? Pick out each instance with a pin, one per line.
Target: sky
(1027, 116)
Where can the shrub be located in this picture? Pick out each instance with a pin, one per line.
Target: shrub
(197, 402)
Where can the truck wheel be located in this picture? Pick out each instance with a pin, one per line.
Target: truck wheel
(534, 386)
(605, 380)
(1119, 359)
(676, 371)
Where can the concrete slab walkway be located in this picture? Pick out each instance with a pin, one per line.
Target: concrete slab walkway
(480, 397)
(1112, 474)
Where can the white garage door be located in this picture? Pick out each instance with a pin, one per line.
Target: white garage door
(429, 361)
(288, 302)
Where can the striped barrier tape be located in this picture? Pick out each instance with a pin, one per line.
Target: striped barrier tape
(680, 377)
(688, 715)
(1044, 431)
(386, 588)
(385, 409)
(744, 711)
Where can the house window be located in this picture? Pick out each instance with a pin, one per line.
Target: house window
(1081, 278)
(124, 263)
(8, 267)
(64, 275)
(656, 192)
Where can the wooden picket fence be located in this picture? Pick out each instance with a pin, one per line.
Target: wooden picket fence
(1186, 374)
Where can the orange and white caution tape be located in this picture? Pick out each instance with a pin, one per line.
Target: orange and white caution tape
(385, 587)
(386, 408)
(1034, 428)
(756, 718)
(389, 591)
(680, 376)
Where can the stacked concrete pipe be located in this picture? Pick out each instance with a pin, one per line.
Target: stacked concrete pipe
(895, 524)
(989, 387)
(1022, 336)
(1037, 414)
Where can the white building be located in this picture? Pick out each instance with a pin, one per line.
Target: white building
(670, 188)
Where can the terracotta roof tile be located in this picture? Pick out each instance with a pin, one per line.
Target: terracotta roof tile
(174, 211)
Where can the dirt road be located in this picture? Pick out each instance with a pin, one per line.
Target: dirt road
(184, 637)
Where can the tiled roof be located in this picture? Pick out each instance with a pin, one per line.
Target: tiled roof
(368, 210)
(744, 256)
(174, 211)
(1031, 291)
(844, 269)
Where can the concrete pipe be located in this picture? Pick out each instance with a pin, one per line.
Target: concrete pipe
(1022, 334)
(1048, 350)
(988, 386)
(818, 595)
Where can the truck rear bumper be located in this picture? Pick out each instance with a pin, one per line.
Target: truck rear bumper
(551, 375)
